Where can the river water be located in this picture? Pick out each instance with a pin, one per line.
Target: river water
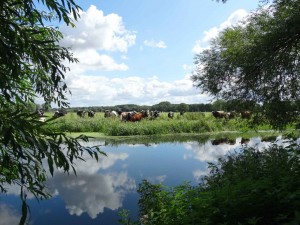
(100, 189)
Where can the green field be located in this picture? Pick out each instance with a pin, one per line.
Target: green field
(189, 123)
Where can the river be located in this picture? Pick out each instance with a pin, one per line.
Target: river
(100, 189)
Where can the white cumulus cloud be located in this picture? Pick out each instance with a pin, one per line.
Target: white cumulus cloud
(95, 34)
(98, 31)
(212, 33)
(100, 90)
(155, 44)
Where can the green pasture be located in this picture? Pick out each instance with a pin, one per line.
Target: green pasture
(190, 122)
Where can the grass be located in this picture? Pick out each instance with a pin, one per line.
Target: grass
(190, 123)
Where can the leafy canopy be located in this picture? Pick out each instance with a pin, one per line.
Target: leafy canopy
(31, 65)
(257, 61)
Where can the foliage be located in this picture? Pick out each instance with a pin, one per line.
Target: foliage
(247, 187)
(257, 61)
(163, 106)
(182, 107)
(32, 66)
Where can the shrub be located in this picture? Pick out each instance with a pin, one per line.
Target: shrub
(247, 187)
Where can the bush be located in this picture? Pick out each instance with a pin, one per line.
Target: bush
(247, 187)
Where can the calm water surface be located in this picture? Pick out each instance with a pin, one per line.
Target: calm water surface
(101, 188)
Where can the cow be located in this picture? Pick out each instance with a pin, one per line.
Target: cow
(124, 116)
(91, 114)
(59, 114)
(231, 115)
(135, 117)
(154, 114)
(108, 113)
(246, 114)
(171, 114)
(219, 114)
(182, 113)
(146, 113)
(81, 113)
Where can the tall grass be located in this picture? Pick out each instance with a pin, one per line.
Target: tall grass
(191, 122)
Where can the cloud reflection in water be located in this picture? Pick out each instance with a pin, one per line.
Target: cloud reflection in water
(210, 153)
(8, 215)
(91, 191)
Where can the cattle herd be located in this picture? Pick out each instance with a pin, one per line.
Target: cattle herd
(232, 114)
(134, 116)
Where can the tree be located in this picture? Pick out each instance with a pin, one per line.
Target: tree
(183, 107)
(257, 61)
(31, 65)
(163, 106)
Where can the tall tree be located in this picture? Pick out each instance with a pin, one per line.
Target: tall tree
(183, 107)
(163, 106)
(257, 61)
(31, 65)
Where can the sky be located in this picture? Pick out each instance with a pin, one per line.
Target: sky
(142, 52)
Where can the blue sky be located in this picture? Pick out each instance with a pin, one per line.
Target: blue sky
(141, 52)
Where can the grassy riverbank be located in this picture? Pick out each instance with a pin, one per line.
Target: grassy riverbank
(190, 123)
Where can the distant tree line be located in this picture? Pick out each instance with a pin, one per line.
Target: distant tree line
(165, 106)
(162, 106)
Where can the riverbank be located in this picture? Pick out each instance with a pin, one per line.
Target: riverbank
(191, 123)
(216, 138)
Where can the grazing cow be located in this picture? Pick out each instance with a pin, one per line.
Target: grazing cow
(146, 113)
(182, 113)
(109, 113)
(135, 117)
(231, 115)
(81, 113)
(246, 114)
(219, 114)
(124, 116)
(154, 114)
(119, 112)
(91, 113)
(59, 114)
(171, 114)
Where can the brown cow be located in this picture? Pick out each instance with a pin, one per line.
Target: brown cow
(219, 114)
(246, 114)
(135, 118)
